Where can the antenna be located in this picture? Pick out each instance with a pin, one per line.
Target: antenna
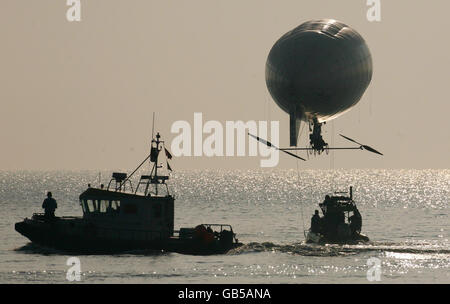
(153, 124)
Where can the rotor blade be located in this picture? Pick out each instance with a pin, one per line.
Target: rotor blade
(371, 149)
(292, 154)
(296, 149)
(368, 148)
(311, 149)
(269, 144)
(348, 138)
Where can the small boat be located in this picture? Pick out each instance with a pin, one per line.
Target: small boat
(120, 218)
(341, 222)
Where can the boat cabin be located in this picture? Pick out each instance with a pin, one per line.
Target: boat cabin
(117, 206)
(339, 204)
(121, 207)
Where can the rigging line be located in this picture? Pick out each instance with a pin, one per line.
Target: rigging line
(301, 204)
(298, 182)
(129, 176)
(96, 179)
(153, 124)
(332, 156)
(370, 99)
(267, 108)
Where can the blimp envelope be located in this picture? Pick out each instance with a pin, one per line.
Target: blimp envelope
(318, 71)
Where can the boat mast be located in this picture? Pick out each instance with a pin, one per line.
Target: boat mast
(155, 152)
(153, 178)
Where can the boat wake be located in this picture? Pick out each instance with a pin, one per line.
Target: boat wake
(302, 249)
(329, 250)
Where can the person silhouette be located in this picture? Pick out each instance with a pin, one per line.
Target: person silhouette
(355, 222)
(49, 205)
(316, 222)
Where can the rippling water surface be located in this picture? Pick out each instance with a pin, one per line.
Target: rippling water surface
(405, 213)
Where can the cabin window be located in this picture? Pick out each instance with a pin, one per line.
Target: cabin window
(103, 206)
(82, 203)
(115, 205)
(100, 206)
(96, 205)
(90, 205)
(157, 210)
(112, 207)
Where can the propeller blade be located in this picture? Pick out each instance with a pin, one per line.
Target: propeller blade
(295, 149)
(311, 149)
(371, 149)
(365, 147)
(348, 138)
(292, 154)
(269, 144)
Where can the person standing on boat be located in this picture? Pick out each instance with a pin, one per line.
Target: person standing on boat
(49, 205)
(355, 222)
(316, 222)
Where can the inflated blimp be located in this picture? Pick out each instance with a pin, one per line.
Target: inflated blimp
(318, 71)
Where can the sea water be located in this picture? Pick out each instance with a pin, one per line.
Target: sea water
(405, 214)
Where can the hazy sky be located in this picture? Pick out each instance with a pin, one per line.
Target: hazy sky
(80, 95)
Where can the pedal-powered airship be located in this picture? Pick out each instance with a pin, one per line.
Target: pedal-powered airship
(315, 73)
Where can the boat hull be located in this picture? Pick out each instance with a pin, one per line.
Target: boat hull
(49, 234)
(316, 238)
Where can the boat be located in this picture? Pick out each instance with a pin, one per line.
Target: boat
(120, 218)
(341, 222)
